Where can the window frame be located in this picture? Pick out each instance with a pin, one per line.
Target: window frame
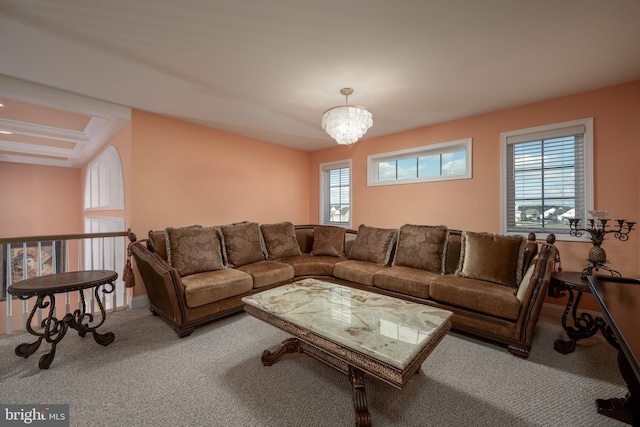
(104, 183)
(374, 160)
(588, 179)
(325, 167)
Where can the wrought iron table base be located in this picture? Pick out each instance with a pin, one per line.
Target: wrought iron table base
(55, 329)
(584, 325)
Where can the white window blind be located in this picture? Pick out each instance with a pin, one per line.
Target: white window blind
(104, 188)
(548, 175)
(335, 193)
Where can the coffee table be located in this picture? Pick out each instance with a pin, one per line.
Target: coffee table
(354, 331)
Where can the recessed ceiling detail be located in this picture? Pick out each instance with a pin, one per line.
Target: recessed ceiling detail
(64, 136)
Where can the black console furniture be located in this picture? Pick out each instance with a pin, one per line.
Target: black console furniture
(619, 299)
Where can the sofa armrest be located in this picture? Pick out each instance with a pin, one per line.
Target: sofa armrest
(535, 292)
(162, 283)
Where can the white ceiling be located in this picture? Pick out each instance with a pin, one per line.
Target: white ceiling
(269, 69)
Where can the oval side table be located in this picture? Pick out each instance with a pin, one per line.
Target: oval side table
(45, 288)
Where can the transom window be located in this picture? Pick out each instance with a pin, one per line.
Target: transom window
(437, 162)
(547, 177)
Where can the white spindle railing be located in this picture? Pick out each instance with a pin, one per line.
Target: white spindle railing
(95, 251)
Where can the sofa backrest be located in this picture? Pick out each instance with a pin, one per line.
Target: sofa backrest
(304, 235)
(158, 243)
(453, 251)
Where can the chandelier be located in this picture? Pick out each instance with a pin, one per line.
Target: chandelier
(347, 123)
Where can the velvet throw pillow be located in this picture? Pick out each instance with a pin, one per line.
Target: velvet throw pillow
(193, 250)
(242, 244)
(280, 240)
(492, 257)
(373, 245)
(328, 240)
(421, 246)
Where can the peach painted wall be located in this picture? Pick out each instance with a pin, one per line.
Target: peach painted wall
(39, 200)
(187, 174)
(474, 204)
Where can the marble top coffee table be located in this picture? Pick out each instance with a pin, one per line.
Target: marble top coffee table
(352, 330)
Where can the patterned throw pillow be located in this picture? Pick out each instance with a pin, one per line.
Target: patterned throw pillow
(242, 243)
(492, 257)
(373, 245)
(158, 242)
(193, 250)
(421, 246)
(280, 240)
(328, 240)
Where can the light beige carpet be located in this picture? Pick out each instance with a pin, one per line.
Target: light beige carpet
(150, 377)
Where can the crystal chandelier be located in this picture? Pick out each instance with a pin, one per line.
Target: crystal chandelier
(347, 123)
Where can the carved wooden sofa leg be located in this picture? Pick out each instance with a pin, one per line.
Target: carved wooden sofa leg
(184, 331)
(519, 351)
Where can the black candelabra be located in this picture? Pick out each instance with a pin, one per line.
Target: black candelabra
(597, 230)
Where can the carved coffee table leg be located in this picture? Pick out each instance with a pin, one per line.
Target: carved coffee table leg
(363, 417)
(291, 345)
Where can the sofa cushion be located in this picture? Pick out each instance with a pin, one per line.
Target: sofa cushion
(267, 273)
(492, 257)
(477, 295)
(328, 241)
(373, 245)
(242, 243)
(212, 286)
(357, 271)
(405, 280)
(312, 265)
(193, 250)
(421, 246)
(280, 240)
(158, 242)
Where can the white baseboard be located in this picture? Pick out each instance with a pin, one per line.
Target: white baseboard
(139, 302)
(554, 310)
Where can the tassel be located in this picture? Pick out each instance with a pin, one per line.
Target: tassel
(127, 275)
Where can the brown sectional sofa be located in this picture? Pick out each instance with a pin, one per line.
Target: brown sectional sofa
(495, 285)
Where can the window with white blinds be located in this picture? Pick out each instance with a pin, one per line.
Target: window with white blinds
(335, 193)
(104, 184)
(547, 177)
